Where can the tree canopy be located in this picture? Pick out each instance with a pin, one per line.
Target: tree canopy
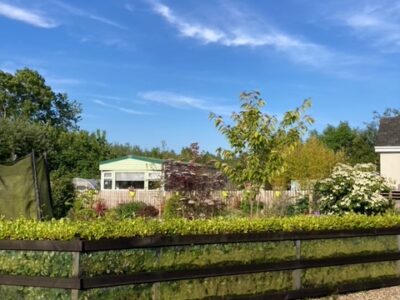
(259, 142)
(25, 95)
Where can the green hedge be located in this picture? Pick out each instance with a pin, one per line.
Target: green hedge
(65, 229)
(33, 293)
(184, 257)
(36, 263)
(331, 276)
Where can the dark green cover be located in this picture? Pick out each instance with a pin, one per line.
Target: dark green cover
(24, 189)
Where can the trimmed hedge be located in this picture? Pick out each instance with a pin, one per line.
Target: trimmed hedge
(331, 276)
(184, 257)
(64, 229)
(36, 263)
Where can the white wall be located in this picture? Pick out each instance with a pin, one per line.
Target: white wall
(390, 168)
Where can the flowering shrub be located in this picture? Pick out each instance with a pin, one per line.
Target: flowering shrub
(353, 189)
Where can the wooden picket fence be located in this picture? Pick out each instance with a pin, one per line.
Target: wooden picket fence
(157, 198)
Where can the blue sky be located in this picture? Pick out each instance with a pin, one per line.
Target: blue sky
(149, 70)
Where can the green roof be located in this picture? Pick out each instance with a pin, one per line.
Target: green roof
(142, 158)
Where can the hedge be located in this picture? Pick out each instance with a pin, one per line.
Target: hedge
(64, 229)
(130, 261)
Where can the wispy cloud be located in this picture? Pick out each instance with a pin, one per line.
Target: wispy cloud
(85, 14)
(25, 15)
(240, 33)
(120, 108)
(185, 102)
(378, 22)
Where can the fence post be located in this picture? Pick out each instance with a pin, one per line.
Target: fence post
(76, 272)
(296, 274)
(398, 261)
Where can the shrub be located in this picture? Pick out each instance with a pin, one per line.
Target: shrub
(172, 207)
(64, 229)
(353, 189)
(148, 211)
(135, 209)
(195, 183)
(63, 194)
(300, 207)
(84, 206)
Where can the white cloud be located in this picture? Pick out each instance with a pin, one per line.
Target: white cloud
(184, 102)
(81, 13)
(242, 33)
(26, 16)
(120, 108)
(378, 22)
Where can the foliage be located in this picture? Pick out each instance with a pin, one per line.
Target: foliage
(194, 182)
(25, 95)
(259, 142)
(357, 144)
(62, 192)
(19, 137)
(136, 209)
(131, 261)
(35, 263)
(353, 189)
(79, 153)
(64, 229)
(331, 276)
(313, 249)
(309, 162)
(84, 206)
(300, 207)
(172, 207)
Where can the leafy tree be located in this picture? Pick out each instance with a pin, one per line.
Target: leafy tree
(25, 95)
(259, 142)
(309, 162)
(339, 138)
(79, 153)
(194, 184)
(19, 137)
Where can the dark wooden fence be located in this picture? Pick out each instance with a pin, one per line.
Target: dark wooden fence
(78, 246)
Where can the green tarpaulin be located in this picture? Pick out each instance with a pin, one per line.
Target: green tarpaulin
(25, 189)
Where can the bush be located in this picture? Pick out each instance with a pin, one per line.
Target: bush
(300, 207)
(135, 209)
(172, 207)
(86, 207)
(353, 189)
(99, 228)
(63, 194)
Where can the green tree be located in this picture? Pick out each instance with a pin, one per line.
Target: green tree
(79, 153)
(19, 137)
(259, 142)
(309, 162)
(25, 95)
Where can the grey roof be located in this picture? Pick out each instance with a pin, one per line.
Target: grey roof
(389, 132)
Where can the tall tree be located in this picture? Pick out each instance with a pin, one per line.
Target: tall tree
(259, 142)
(25, 95)
(309, 162)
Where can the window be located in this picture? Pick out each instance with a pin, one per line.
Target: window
(154, 180)
(107, 181)
(107, 184)
(125, 180)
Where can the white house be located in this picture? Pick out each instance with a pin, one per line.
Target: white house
(388, 147)
(141, 173)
